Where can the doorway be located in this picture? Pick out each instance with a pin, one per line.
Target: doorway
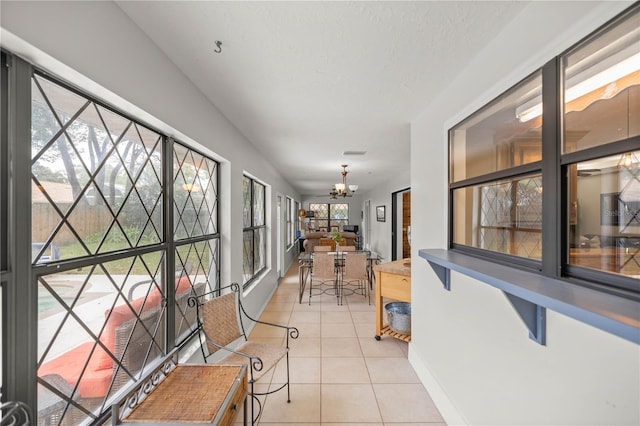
(401, 224)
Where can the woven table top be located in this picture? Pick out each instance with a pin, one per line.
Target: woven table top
(190, 393)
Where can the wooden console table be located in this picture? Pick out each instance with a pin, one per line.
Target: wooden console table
(393, 280)
(190, 393)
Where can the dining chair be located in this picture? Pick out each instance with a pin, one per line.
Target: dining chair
(355, 270)
(322, 248)
(347, 248)
(323, 270)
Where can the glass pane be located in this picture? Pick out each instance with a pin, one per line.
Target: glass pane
(602, 88)
(605, 217)
(197, 272)
(96, 180)
(246, 202)
(339, 216)
(258, 204)
(117, 328)
(195, 194)
(247, 256)
(260, 244)
(320, 211)
(504, 134)
(503, 216)
(289, 218)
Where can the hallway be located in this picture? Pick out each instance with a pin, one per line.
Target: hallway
(340, 374)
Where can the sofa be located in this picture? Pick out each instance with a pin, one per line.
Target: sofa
(312, 239)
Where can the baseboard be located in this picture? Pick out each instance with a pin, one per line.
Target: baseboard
(447, 409)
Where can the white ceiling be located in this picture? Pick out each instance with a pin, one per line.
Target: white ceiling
(306, 81)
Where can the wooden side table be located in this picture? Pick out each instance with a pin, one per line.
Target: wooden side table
(393, 280)
(195, 394)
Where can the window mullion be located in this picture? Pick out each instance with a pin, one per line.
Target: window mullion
(170, 255)
(553, 212)
(19, 358)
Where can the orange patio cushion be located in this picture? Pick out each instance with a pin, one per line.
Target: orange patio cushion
(95, 381)
(97, 376)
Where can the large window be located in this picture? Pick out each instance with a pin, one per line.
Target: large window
(495, 175)
(564, 202)
(122, 220)
(328, 217)
(254, 237)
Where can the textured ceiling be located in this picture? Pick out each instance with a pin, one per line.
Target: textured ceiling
(306, 81)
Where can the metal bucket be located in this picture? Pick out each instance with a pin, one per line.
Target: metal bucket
(399, 317)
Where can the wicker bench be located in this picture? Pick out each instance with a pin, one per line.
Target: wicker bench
(177, 394)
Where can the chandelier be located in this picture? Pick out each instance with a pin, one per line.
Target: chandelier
(342, 189)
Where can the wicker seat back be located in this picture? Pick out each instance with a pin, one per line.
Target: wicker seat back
(355, 267)
(220, 321)
(323, 267)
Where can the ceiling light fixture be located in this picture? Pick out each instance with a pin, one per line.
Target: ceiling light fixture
(627, 160)
(342, 189)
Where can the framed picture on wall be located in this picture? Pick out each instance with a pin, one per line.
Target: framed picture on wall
(380, 213)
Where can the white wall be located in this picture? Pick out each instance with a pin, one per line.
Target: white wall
(380, 241)
(96, 47)
(469, 347)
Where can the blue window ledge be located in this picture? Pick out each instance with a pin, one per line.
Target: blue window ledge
(531, 294)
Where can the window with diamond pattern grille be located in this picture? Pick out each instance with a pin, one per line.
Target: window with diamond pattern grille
(254, 241)
(98, 200)
(329, 217)
(496, 166)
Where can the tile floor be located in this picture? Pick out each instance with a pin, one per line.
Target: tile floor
(339, 373)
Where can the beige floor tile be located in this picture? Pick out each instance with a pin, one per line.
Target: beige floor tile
(331, 305)
(301, 370)
(348, 403)
(303, 408)
(290, 424)
(366, 330)
(391, 370)
(276, 317)
(406, 403)
(379, 348)
(305, 347)
(282, 297)
(414, 424)
(363, 317)
(337, 330)
(361, 304)
(404, 346)
(353, 424)
(340, 347)
(315, 305)
(344, 370)
(307, 329)
(278, 307)
(299, 317)
(336, 317)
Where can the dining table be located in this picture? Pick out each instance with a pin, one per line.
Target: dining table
(305, 260)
